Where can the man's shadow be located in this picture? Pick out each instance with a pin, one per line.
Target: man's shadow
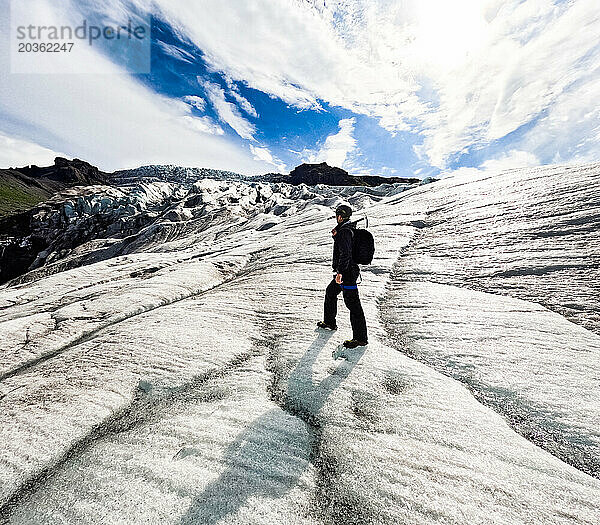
(269, 456)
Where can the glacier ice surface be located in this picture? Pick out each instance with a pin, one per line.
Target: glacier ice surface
(181, 379)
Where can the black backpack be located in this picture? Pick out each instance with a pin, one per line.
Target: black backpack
(363, 246)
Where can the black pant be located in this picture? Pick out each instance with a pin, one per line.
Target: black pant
(352, 300)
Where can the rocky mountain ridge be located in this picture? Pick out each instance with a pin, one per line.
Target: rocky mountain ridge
(74, 172)
(322, 173)
(22, 188)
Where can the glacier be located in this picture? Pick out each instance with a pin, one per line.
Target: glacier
(171, 372)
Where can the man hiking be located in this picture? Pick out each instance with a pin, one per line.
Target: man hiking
(347, 273)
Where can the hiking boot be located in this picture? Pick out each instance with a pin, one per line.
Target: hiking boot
(324, 325)
(353, 343)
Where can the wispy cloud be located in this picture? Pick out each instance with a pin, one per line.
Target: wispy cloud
(197, 102)
(112, 120)
(203, 124)
(468, 77)
(570, 129)
(176, 52)
(533, 57)
(463, 74)
(242, 102)
(263, 154)
(227, 111)
(509, 160)
(337, 148)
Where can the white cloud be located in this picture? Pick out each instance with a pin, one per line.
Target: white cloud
(510, 160)
(503, 162)
(263, 154)
(176, 52)
(204, 125)
(531, 55)
(244, 104)
(227, 111)
(570, 131)
(462, 73)
(337, 148)
(16, 153)
(197, 102)
(111, 120)
(290, 51)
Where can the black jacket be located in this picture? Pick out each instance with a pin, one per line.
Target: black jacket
(342, 252)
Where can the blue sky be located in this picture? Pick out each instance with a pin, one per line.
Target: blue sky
(410, 87)
(291, 134)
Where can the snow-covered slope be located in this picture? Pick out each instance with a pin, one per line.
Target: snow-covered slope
(182, 381)
(533, 238)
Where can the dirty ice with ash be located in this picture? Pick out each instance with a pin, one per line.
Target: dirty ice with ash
(182, 381)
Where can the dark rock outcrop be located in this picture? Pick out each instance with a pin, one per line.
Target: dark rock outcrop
(74, 172)
(312, 174)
